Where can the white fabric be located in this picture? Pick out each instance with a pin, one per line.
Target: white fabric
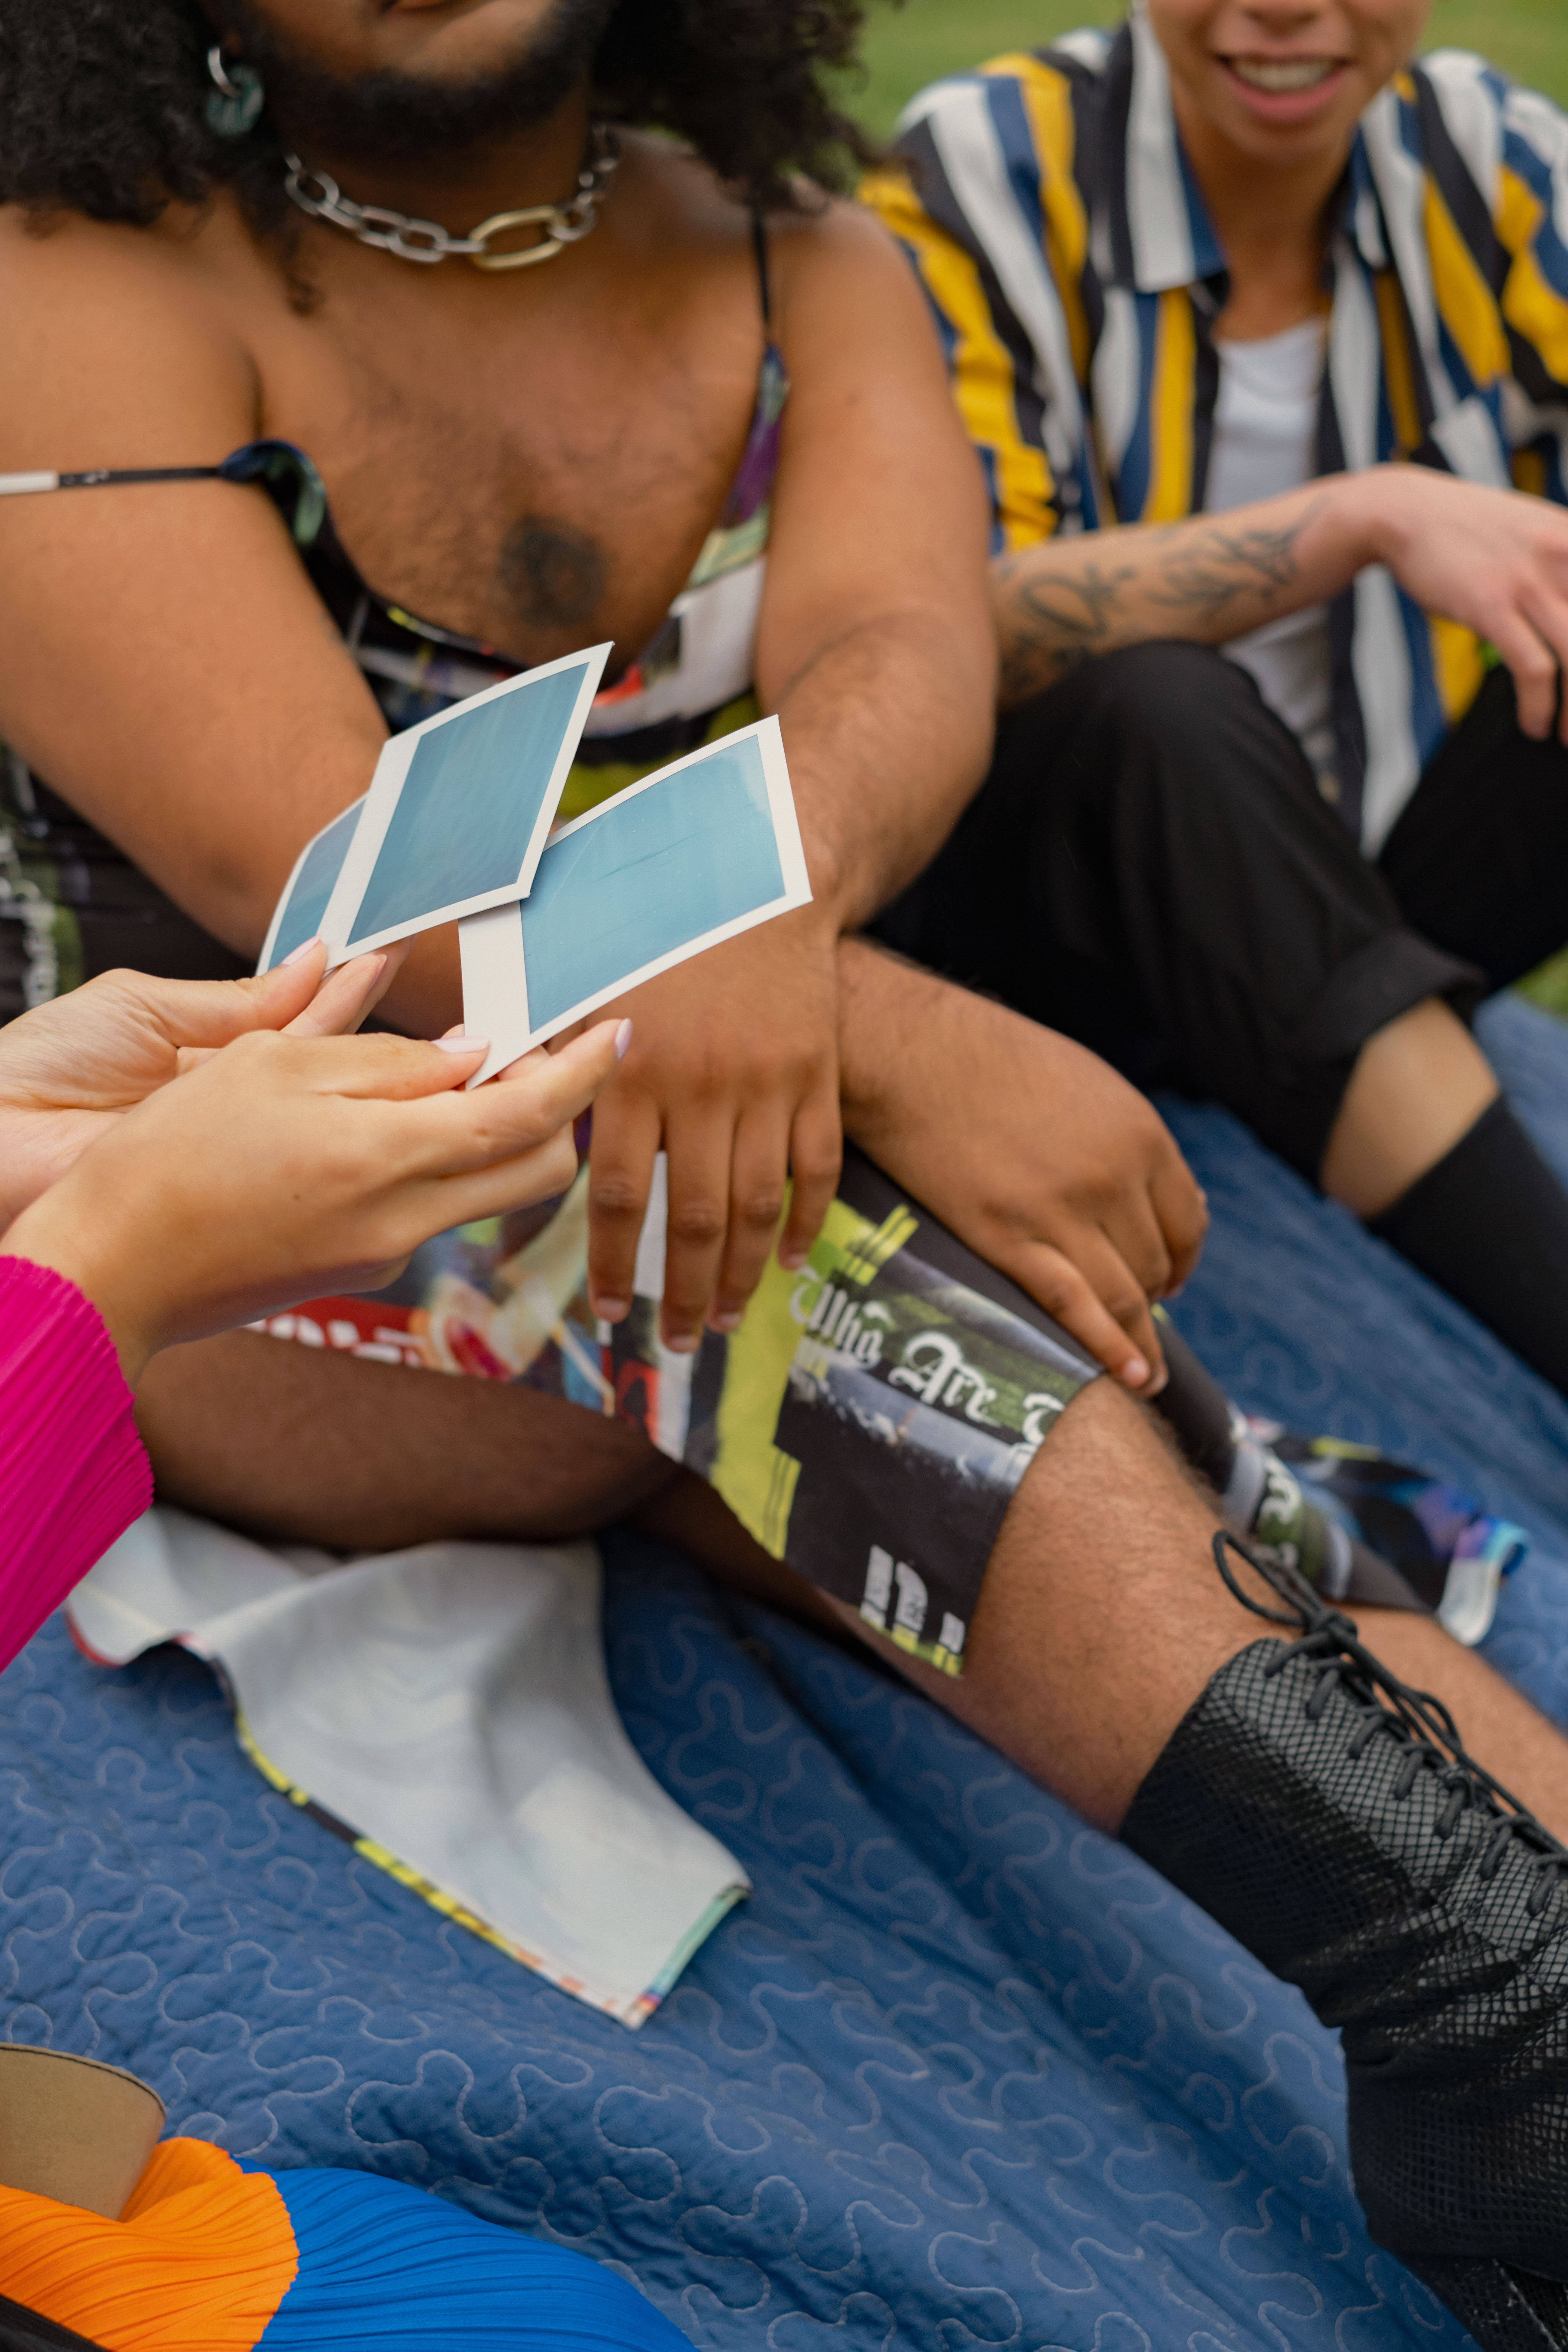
(447, 1706)
(1265, 436)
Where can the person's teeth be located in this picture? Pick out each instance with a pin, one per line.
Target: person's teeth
(1276, 76)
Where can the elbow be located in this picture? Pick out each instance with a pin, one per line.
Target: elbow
(979, 737)
(976, 717)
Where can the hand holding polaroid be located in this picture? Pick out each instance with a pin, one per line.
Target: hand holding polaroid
(692, 856)
(458, 811)
(697, 853)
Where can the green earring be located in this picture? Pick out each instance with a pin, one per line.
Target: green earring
(237, 100)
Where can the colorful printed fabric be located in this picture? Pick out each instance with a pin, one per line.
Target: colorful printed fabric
(1451, 1552)
(1075, 278)
(868, 1423)
(209, 2258)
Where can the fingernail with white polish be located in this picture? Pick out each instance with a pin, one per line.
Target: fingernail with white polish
(684, 1343)
(610, 1310)
(298, 955)
(727, 1319)
(623, 1039)
(461, 1044)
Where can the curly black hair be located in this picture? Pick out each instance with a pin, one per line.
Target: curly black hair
(103, 102)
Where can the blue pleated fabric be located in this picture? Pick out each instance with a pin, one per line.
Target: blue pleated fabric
(384, 2264)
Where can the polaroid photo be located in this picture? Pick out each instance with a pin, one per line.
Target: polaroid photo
(695, 854)
(461, 807)
(298, 914)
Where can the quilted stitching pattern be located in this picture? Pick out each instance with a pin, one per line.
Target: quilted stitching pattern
(960, 2074)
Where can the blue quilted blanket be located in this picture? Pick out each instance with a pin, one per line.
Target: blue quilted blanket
(962, 2072)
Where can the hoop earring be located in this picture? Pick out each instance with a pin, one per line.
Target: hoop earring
(238, 99)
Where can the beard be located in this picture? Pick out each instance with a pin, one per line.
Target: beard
(390, 119)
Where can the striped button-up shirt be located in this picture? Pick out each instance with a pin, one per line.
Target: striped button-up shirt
(1076, 278)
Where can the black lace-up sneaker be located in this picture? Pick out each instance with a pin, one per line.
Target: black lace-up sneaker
(1329, 1817)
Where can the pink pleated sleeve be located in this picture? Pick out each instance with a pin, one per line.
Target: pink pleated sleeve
(73, 1471)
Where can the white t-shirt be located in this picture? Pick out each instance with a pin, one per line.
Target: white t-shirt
(1265, 442)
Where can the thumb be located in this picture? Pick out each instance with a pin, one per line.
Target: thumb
(348, 995)
(199, 1015)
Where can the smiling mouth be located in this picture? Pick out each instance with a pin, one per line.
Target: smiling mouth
(1282, 77)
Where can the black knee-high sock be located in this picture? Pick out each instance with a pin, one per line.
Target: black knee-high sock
(1489, 1224)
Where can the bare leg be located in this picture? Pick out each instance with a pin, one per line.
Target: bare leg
(1101, 1618)
(1100, 1621)
(304, 1446)
(1417, 1086)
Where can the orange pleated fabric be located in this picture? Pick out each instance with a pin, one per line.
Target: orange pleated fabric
(198, 2262)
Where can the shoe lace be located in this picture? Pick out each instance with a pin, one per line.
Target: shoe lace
(1415, 1719)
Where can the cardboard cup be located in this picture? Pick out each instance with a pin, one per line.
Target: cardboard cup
(74, 2130)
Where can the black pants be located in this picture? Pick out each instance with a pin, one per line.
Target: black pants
(1150, 867)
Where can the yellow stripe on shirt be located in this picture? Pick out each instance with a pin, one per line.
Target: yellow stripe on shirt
(1047, 103)
(1456, 664)
(1464, 298)
(1531, 308)
(1170, 399)
(1398, 373)
(983, 377)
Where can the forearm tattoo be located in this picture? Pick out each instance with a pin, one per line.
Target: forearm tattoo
(1052, 620)
(1060, 605)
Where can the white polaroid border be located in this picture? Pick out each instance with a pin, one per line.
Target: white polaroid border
(264, 961)
(386, 788)
(494, 978)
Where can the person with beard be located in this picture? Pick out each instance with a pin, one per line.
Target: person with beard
(359, 354)
(667, 397)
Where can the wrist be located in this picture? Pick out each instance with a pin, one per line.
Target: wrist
(1367, 517)
(833, 908)
(885, 1006)
(44, 1238)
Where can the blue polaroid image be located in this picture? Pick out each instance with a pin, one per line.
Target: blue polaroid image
(461, 807)
(298, 913)
(698, 853)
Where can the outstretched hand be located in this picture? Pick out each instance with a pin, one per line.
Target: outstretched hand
(1029, 1147)
(287, 1166)
(71, 1069)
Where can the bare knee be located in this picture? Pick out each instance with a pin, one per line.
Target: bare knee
(304, 1446)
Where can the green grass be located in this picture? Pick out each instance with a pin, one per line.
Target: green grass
(911, 45)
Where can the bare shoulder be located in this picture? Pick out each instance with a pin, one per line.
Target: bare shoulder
(820, 239)
(121, 343)
(838, 270)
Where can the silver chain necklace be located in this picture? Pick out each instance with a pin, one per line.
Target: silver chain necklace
(318, 193)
